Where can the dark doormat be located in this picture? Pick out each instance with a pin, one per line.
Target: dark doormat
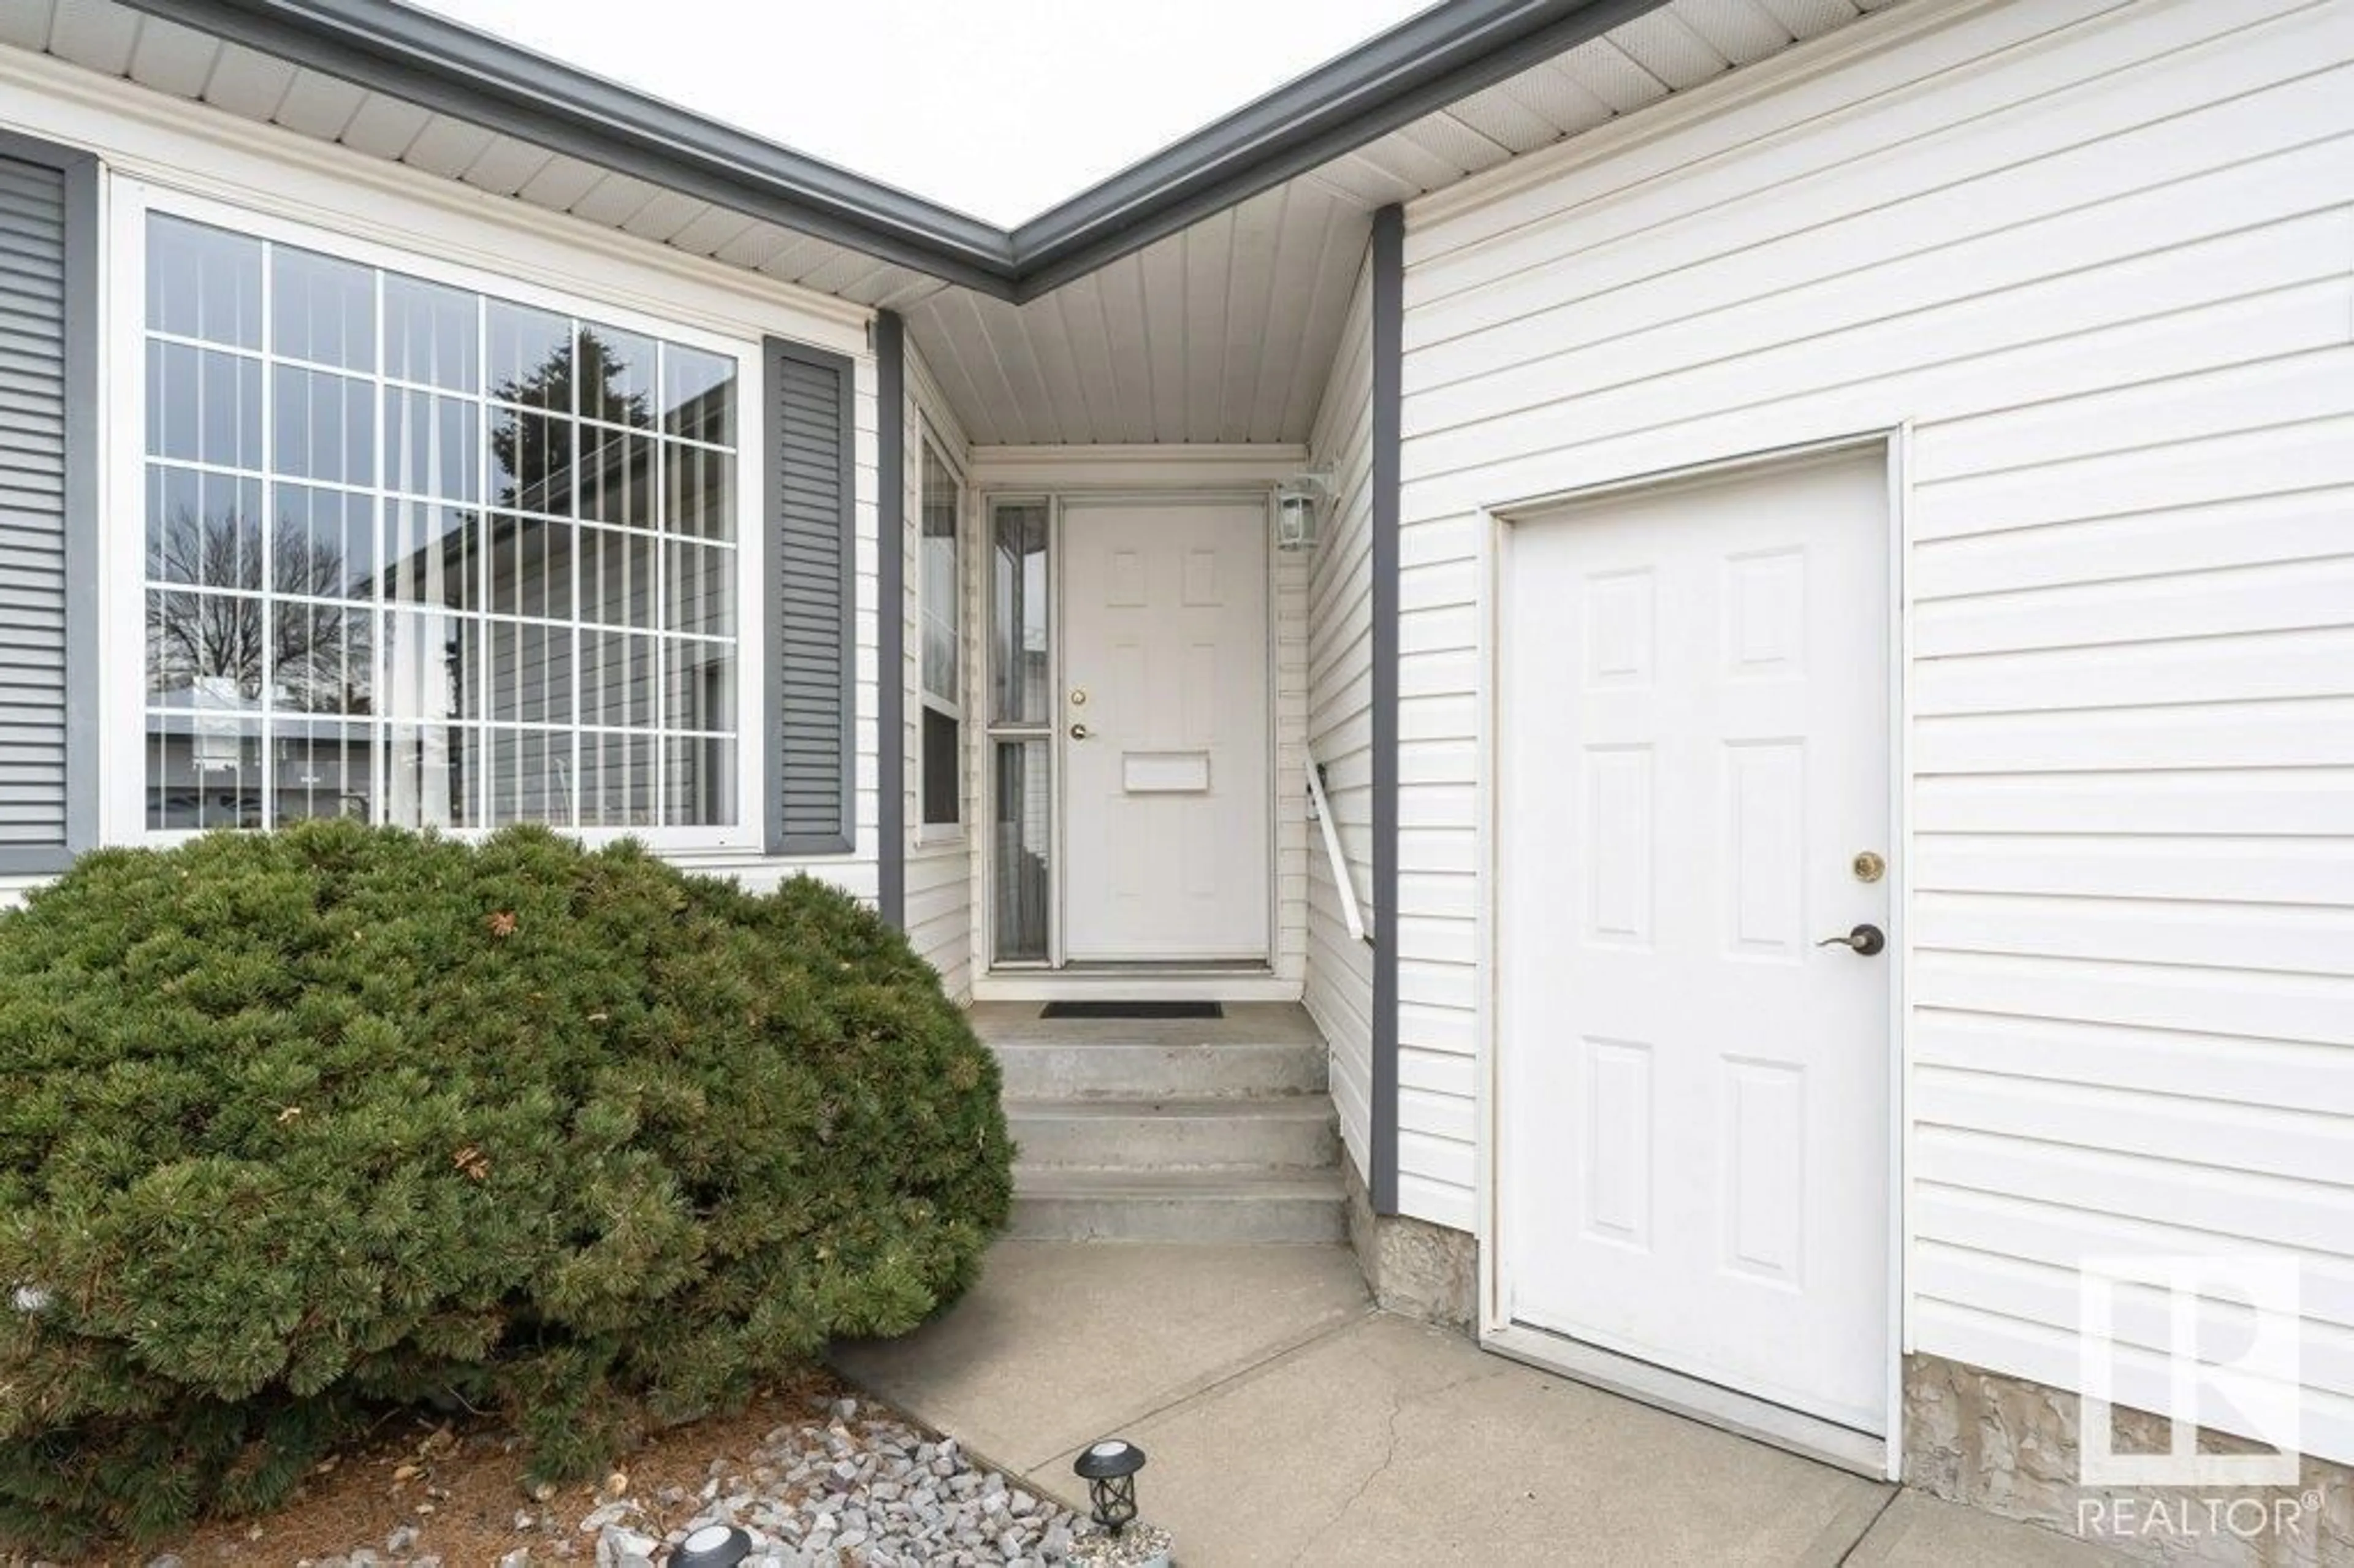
(1132, 1010)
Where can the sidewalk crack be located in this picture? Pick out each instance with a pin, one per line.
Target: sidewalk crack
(1389, 1457)
(1398, 1407)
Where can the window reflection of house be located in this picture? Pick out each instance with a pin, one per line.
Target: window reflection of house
(497, 578)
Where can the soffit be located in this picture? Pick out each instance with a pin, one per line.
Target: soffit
(1219, 331)
(1224, 331)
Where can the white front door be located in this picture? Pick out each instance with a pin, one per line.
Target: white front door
(1165, 735)
(1693, 754)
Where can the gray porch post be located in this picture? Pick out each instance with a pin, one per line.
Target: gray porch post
(890, 618)
(1389, 312)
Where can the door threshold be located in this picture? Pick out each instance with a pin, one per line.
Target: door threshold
(1808, 1436)
(1161, 967)
(1138, 982)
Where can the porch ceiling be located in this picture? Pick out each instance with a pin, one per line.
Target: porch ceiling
(1220, 330)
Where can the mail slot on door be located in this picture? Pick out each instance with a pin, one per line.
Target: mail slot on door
(1165, 772)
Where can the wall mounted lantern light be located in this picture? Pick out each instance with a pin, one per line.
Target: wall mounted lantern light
(1299, 505)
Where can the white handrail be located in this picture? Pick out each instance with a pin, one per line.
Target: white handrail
(1349, 914)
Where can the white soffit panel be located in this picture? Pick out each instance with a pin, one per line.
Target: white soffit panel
(1219, 332)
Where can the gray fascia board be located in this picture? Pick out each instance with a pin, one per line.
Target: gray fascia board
(1425, 63)
(1422, 64)
(456, 70)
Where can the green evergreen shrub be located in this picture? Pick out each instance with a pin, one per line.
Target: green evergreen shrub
(295, 1124)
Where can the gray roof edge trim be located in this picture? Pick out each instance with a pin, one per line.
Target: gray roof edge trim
(457, 71)
(1431, 43)
(1390, 82)
(1433, 58)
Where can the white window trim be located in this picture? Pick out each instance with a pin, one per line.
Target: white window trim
(121, 544)
(937, 835)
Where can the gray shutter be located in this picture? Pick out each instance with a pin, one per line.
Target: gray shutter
(812, 597)
(47, 209)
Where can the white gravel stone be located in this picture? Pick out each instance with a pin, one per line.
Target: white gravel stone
(620, 1548)
(853, 1485)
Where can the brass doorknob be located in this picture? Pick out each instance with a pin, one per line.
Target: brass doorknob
(1864, 939)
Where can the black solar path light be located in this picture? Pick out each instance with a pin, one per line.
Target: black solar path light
(1109, 1469)
(712, 1546)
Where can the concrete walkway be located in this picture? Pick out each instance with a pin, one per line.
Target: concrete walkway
(1286, 1420)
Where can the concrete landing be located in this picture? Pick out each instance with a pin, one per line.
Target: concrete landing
(1286, 1420)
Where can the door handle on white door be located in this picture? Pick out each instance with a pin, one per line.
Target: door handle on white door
(1864, 939)
(1080, 732)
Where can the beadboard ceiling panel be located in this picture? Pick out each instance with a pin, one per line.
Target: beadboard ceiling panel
(1219, 331)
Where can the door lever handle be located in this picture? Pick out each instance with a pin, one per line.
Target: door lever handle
(1864, 939)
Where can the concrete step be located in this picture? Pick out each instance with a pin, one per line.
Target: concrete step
(1072, 1204)
(1257, 1048)
(1286, 1132)
(1102, 1069)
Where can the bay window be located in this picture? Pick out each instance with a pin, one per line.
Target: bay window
(430, 556)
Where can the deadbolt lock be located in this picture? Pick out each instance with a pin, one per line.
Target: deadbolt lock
(1079, 696)
(1868, 867)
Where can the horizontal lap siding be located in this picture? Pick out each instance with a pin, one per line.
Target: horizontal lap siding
(2098, 255)
(939, 915)
(1340, 980)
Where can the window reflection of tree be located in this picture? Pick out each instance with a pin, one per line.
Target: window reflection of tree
(222, 638)
(318, 657)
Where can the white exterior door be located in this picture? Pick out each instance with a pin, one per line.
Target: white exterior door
(1693, 1106)
(1165, 734)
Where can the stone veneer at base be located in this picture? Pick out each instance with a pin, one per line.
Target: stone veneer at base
(2009, 1445)
(1413, 1267)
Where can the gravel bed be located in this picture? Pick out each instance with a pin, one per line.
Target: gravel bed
(847, 1484)
(866, 1488)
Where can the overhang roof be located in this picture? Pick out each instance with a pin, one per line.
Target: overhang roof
(1430, 60)
(1195, 296)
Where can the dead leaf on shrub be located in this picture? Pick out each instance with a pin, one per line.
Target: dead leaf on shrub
(502, 923)
(472, 1162)
(289, 1114)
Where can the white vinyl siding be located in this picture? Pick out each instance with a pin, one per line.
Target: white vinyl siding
(1340, 979)
(940, 861)
(2099, 258)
